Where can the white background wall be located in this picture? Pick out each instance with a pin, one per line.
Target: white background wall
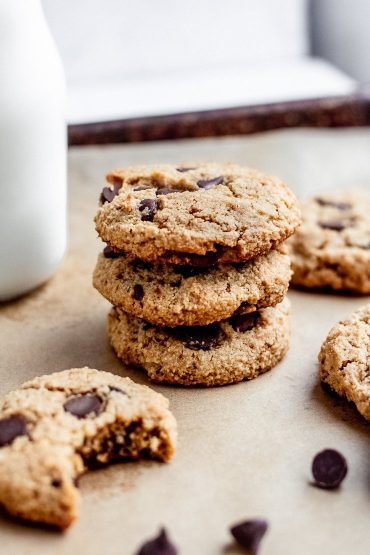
(105, 38)
(341, 33)
(127, 58)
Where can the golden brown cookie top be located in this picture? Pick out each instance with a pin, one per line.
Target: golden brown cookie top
(195, 214)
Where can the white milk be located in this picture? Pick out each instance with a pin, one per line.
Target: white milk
(32, 150)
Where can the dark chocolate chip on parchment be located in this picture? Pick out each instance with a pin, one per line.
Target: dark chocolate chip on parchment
(161, 545)
(329, 468)
(249, 534)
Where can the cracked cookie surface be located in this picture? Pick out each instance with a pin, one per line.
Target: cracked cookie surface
(173, 295)
(230, 351)
(332, 246)
(345, 359)
(54, 427)
(198, 215)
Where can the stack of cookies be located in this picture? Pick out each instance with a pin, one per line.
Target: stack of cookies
(196, 270)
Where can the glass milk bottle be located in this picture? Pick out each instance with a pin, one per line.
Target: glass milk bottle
(32, 150)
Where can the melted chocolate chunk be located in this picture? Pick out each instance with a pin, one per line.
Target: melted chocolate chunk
(249, 534)
(208, 183)
(138, 264)
(335, 225)
(168, 190)
(110, 253)
(56, 483)
(183, 170)
(160, 545)
(108, 194)
(138, 293)
(339, 205)
(11, 428)
(199, 338)
(329, 468)
(199, 260)
(244, 322)
(83, 405)
(148, 207)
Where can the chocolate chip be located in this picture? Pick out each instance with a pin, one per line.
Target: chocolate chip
(138, 293)
(56, 483)
(244, 322)
(329, 469)
(11, 428)
(83, 405)
(160, 545)
(167, 191)
(183, 170)
(143, 188)
(148, 207)
(249, 534)
(108, 194)
(199, 338)
(339, 205)
(138, 264)
(208, 183)
(117, 389)
(335, 225)
(176, 283)
(110, 253)
(200, 260)
(189, 271)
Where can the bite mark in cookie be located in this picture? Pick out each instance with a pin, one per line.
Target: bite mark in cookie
(55, 427)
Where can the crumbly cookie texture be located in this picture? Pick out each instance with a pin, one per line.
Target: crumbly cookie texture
(53, 428)
(230, 351)
(332, 246)
(345, 357)
(198, 214)
(173, 295)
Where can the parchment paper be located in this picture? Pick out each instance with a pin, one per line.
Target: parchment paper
(244, 450)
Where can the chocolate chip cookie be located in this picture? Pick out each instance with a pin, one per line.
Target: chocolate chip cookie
(173, 295)
(332, 246)
(53, 428)
(236, 349)
(197, 215)
(344, 359)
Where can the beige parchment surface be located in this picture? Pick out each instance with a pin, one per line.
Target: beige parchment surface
(244, 450)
